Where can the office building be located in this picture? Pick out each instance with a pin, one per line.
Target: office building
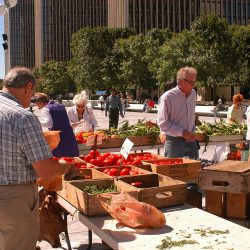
(40, 30)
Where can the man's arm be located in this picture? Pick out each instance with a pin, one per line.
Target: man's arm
(48, 168)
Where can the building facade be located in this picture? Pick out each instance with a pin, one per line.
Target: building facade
(40, 30)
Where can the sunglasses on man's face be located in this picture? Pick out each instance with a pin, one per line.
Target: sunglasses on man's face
(80, 106)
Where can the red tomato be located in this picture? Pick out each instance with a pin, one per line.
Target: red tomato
(125, 171)
(94, 153)
(136, 184)
(133, 172)
(113, 172)
(87, 158)
(105, 155)
(94, 162)
(136, 162)
(107, 162)
(106, 170)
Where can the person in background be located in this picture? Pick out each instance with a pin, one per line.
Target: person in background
(101, 100)
(113, 107)
(124, 104)
(145, 105)
(151, 104)
(219, 107)
(59, 98)
(81, 113)
(24, 156)
(54, 117)
(236, 112)
(176, 116)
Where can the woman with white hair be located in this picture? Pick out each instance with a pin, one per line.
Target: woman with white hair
(81, 115)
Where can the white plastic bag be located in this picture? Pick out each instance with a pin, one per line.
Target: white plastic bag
(83, 126)
(220, 152)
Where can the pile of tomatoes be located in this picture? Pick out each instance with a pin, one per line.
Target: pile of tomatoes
(107, 159)
(124, 171)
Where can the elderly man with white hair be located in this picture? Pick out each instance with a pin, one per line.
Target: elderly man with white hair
(81, 114)
(176, 116)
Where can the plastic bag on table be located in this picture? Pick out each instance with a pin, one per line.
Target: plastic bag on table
(221, 152)
(84, 126)
(132, 213)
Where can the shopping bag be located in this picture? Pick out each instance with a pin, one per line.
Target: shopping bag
(84, 126)
(221, 151)
(132, 213)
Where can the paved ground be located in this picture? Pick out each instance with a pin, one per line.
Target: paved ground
(77, 232)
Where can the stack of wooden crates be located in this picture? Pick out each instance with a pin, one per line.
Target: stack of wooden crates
(227, 189)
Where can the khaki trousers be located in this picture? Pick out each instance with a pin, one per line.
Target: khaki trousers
(19, 217)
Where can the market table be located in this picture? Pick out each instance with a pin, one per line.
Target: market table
(184, 223)
(135, 149)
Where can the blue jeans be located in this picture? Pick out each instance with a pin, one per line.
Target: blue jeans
(178, 147)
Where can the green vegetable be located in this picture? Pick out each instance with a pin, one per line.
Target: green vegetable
(93, 189)
(168, 243)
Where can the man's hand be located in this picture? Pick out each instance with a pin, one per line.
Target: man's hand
(162, 138)
(188, 136)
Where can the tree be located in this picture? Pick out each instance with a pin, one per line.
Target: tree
(173, 54)
(134, 64)
(240, 70)
(53, 78)
(211, 51)
(93, 63)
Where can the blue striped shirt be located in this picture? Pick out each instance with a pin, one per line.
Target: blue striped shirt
(21, 142)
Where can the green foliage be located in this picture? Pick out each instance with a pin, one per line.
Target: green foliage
(1, 83)
(53, 78)
(94, 64)
(211, 50)
(173, 54)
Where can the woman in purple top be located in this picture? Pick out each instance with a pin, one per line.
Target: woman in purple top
(176, 116)
(55, 118)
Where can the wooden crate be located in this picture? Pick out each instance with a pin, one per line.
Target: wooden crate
(88, 203)
(157, 190)
(185, 171)
(228, 205)
(111, 143)
(228, 176)
(144, 140)
(86, 173)
(227, 189)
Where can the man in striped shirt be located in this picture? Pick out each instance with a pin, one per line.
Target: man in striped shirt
(24, 156)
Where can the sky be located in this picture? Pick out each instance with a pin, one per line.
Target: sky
(2, 64)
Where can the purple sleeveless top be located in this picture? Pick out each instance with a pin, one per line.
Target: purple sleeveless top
(67, 146)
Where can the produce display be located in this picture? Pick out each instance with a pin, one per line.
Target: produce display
(113, 171)
(141, 128)
(222, 128)
(107, 159)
